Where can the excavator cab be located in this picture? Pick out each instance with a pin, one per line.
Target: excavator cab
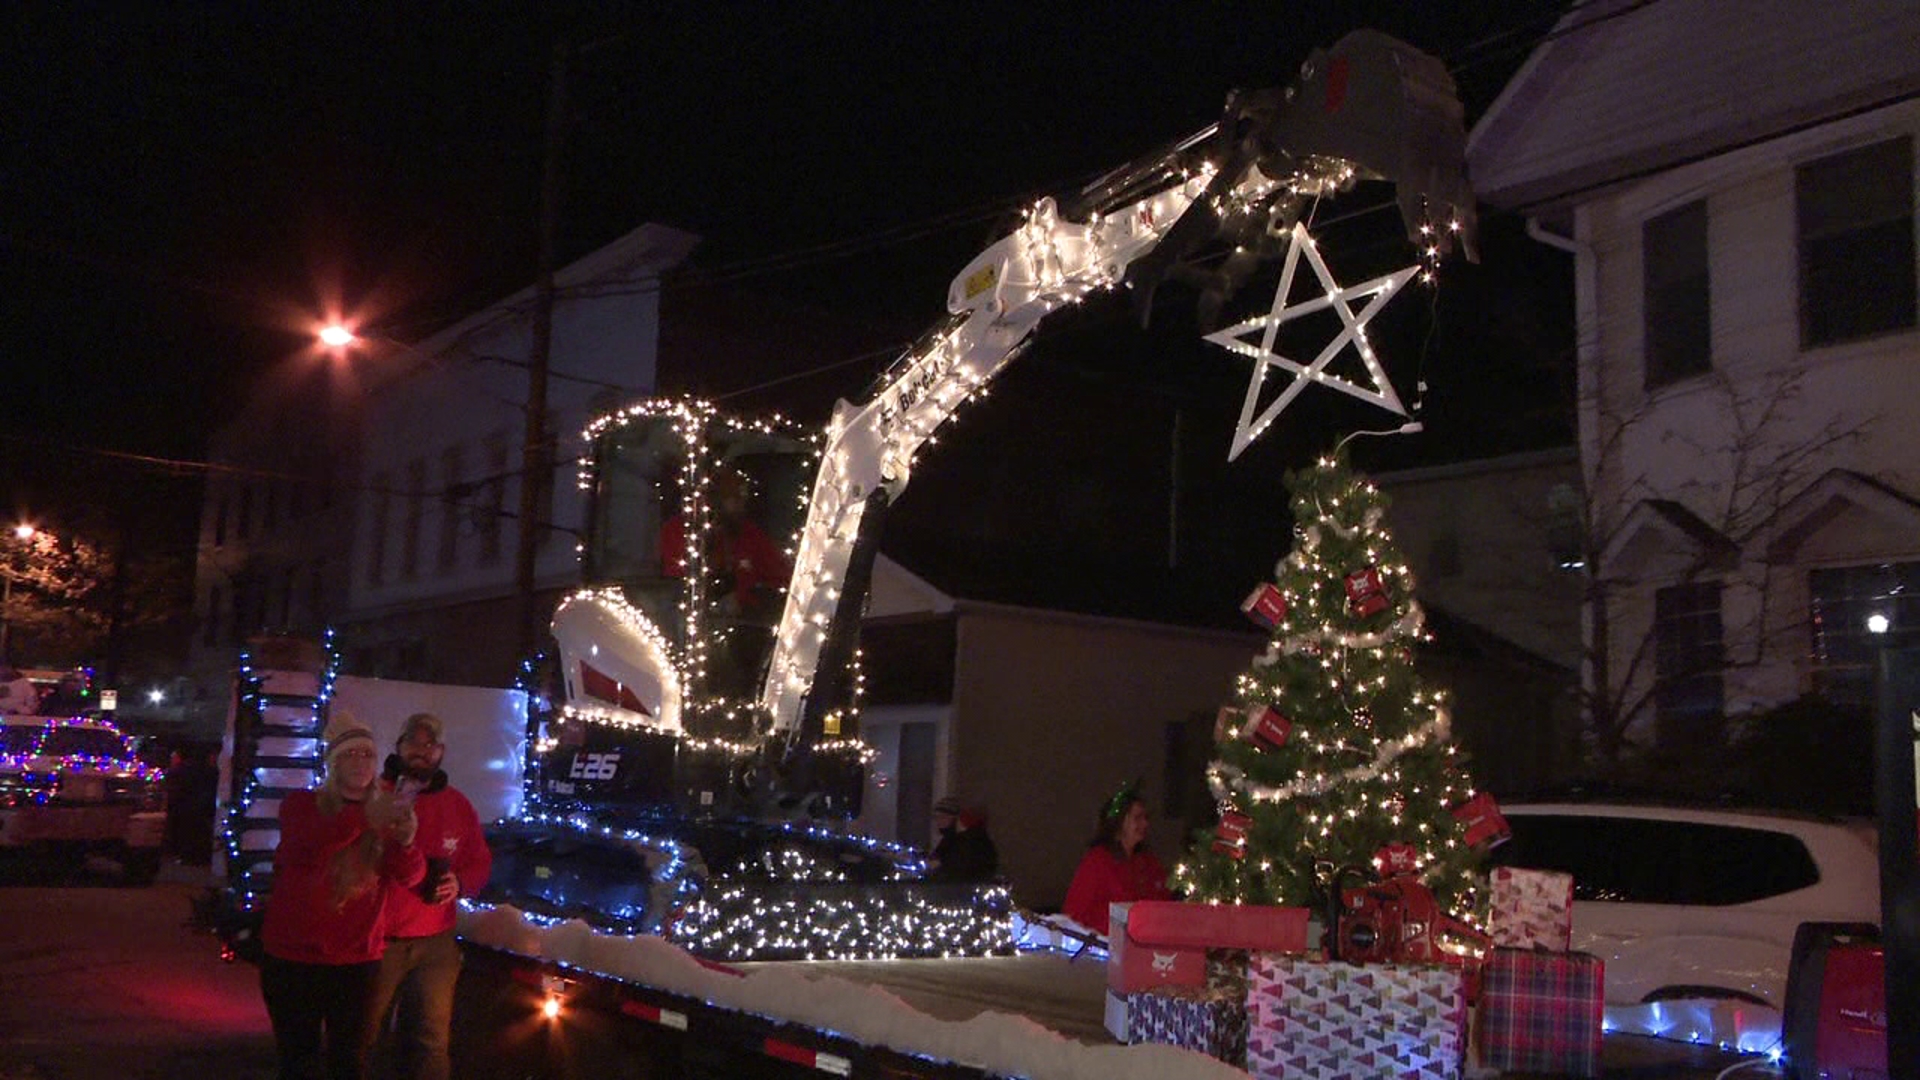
(686, 563)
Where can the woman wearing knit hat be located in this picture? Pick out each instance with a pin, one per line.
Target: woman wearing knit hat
(342, 845)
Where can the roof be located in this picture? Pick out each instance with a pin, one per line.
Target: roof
(1624, 88)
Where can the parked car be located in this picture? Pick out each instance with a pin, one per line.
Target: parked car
(73, 786)
(1696, 903)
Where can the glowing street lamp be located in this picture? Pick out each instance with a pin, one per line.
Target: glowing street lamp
(22, 532)
(336, 336)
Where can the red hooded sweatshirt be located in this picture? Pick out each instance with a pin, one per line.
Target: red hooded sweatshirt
(450, 830)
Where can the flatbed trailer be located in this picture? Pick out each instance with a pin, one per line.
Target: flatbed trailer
(547, 1005)
(1036, 1015)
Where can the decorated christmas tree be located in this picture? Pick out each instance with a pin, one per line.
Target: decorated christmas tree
(1334, 755)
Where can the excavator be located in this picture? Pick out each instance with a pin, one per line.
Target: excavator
(702, 741)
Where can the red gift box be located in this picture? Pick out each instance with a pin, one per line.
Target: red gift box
(1267, 727)
(1486, 826)
(1541, 1011)
(1265, 605)
(1230, 835)
(1165, 942)
(1366, 593)
(1396, 860)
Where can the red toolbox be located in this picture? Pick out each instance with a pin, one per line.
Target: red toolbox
(1165, 942)
(1834, 1024)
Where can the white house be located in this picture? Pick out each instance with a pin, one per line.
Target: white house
(1736, 185)
(384, 505)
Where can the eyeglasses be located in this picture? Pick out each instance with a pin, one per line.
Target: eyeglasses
(358, 753)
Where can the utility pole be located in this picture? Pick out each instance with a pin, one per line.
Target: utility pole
(1896, 742)
(536, 465)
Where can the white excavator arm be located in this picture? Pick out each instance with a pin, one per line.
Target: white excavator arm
(1368, 108)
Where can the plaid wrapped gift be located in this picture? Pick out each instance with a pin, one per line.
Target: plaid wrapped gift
(1311, 1020)
(1532, 909)
(1212, 1023)
(1540, 1012)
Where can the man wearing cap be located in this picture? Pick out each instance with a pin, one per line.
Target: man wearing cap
(965, 853)
(422, 960)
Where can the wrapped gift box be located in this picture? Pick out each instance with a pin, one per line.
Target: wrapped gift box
(1312, 1020)
(1156, 943)
(1531, 909)
(1540, 1012)
(1213, 1023)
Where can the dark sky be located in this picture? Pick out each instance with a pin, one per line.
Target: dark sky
(184, 187)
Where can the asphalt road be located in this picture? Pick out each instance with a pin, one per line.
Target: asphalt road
(100, 981)
(103, 982)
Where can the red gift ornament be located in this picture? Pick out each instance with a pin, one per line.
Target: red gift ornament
(1484, 824)
(1230, 836)
(1366, 592)
(1396, 860)
(1267, 729)
(1265, 605)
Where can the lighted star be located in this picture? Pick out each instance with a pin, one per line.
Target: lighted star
(1353, 332)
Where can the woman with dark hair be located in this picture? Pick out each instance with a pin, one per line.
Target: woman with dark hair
(1117, 867)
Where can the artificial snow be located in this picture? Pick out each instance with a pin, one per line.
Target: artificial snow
(995, 1041)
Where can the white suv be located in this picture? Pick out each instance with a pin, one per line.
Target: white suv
(1693, 905)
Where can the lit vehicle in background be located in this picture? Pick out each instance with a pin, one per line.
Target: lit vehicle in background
(1696, 906)
(72, 787)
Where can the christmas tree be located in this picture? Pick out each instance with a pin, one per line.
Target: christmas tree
(1334, 755)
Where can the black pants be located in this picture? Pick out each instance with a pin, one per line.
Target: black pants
(319, 1015)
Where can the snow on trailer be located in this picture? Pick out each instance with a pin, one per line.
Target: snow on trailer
(802, 1014)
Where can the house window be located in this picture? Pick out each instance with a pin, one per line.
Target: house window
(416, 497)
(1566, 527)
(1855, 216)
(493, 497)
(1677, 308)
(1443, 555)
(543, 494)
(210, 633)
(243, 520)
(1842, 646)
(454, 498)
(377, 529)
(1689, 653)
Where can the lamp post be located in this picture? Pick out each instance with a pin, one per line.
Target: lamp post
(22, 533)
(1896, 747)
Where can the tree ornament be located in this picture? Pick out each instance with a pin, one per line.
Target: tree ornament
(1396, 860)
(1230, 836)
(1486, 827)
(1266, 728)
(1379, 389)
(1364, 717)
(1266, 605)
(1366, 592)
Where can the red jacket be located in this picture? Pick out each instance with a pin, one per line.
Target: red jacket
(302, 923)
(1104, 878)
(449, 829)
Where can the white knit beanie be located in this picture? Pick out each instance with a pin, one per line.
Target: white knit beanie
(343, 728)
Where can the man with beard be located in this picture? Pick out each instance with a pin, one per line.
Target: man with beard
(422, 960)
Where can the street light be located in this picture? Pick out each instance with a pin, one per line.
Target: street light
(336, 336)
(22, 533)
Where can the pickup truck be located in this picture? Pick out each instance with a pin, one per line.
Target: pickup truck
(73, 785)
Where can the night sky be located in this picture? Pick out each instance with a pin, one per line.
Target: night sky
(186, 188)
